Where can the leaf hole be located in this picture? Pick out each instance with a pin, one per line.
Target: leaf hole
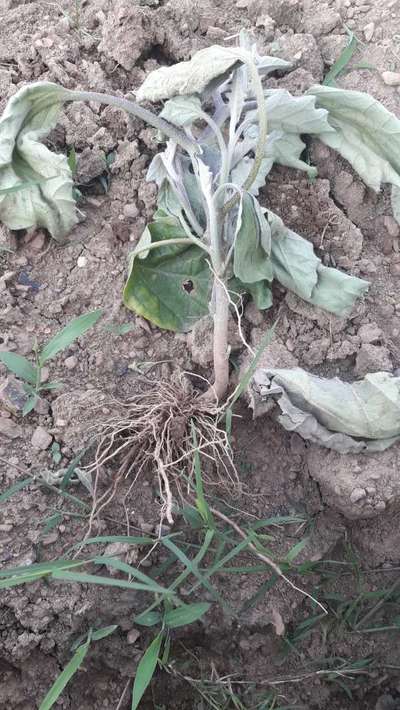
(188, 286)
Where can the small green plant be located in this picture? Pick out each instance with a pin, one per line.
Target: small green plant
(31, 373)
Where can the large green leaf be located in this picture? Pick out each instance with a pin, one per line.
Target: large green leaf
(366, 133)
(251, 259)
(48, 199)
(170, 286)
(190, 77)
(297, 268)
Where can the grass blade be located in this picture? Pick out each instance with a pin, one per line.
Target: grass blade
(65, 676)
(115, 563)
(129, 539)
(343, 60)
(84, 578)
(15, 488)
(145, 671)
(185, 614)
(67, 335)
(20, 366)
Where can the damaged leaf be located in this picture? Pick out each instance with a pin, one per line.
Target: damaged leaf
(366, 134)
(297, 268)
(251, 257)
(191, 77)
(362, 416)
(170, 286)
(47, 198)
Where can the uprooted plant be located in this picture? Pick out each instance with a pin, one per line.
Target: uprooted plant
(210, 240)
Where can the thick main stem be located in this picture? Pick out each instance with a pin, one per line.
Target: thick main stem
(221, 344)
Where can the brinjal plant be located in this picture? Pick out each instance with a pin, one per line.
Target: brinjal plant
(210, 239)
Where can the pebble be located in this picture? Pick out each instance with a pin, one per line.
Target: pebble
(9, 428)
(391, 226)
(395, 269)
(81, 262)
(41, 439)
(370, 333)
(132, 636)
(369, 31)
(131, 211)
(71, 362)
(50, 539)
(391, 78)
(12, 395)
(358, 494)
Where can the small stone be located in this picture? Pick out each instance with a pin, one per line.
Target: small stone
(358, 494)
(10, 429)
(81, 262)
(41, 439)
(12, 395)
(71, 362)
(391, 226)
(395, 269)
(131, 211)
(372, 358)
(387, 244)
(50, 539)
(370, 333)
(369, 31)
(132, 636)
(391, 78)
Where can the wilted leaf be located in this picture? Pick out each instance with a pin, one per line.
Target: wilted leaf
(171, 285)
(347, 417)
(260, 292)
(297, 268)
(251, 258)
(191, 77)
(182, 110)
(48, 200)
(293, 114)
(366, 134)
(281, 148)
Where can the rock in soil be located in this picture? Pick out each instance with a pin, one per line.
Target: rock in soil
(10, 429)
(41, 439)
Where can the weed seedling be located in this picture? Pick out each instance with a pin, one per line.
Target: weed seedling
(31, 373)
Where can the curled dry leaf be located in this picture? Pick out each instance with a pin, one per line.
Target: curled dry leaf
(356, 417)
(192, 77)
(46, 199)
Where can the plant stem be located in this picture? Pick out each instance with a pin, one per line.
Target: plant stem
(135, 109)
(220, 344)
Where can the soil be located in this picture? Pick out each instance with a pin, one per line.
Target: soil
(349, 505)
